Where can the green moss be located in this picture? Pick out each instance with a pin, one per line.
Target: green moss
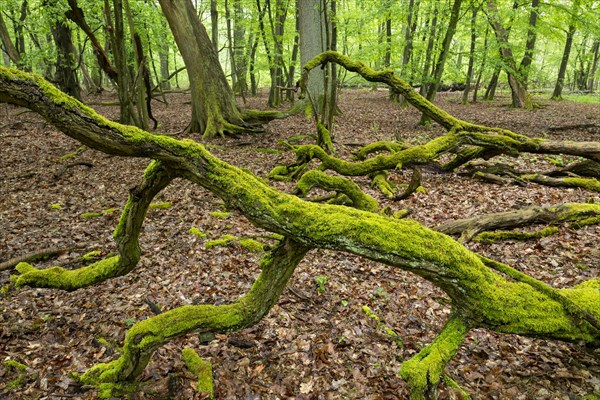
(22, 375)
(91, 215)
(381, 182)
(401, 214)
(202, 369)
(195, 231)
(160, 206)
(590, 184)
(92, 255)
(60, 278)
(452, 383)
(391, 147)
(425, 369)
(315, 178)
(492, 237)
(252, 245)
(222, 241)
(220, 214)
(55, 206)
(79, 150)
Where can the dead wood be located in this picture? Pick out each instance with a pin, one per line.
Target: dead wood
(564, 213)
(40, 254)
(57, 175)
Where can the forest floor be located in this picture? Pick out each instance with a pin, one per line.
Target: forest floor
(316, 343)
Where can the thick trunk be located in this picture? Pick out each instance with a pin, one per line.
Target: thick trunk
(312, 42)
(66, 75)
(214, 110)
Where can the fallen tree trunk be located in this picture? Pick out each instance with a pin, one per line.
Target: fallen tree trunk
(481, 297)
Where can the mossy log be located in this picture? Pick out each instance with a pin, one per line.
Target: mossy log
(573, 213)
(481, 297)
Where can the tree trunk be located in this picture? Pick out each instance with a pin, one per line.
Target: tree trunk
(482, 66)
(520, 97)
(312, 42)
(465, 97)
(239, 36)
(9, 47)
(592, 76)
(425, 79)
(441, 62)
(66, 75)
(214, 24)
(214, 110)
(525, 65)
(557, 94)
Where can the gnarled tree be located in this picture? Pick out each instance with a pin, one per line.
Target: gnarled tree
(484, 293)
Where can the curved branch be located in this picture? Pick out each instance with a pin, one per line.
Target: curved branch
(148, 335)
(424, 371)
(126, 236)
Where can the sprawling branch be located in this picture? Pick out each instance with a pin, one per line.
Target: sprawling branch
(481, 296)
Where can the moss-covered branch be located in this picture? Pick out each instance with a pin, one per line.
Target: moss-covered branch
(575, 213)
(315, 178)
(424, 371)
(148, 335)
(126, 236)
(481, 296)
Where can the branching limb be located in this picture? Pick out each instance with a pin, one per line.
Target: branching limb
(314, 178)
(126, 235)
(424, 371)
(148, 335)
(575, 213)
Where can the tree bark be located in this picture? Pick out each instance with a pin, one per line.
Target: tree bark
(557, 93)
(520, 97)
(441, 62)
(465, 97)
(66, 75)
(214, 110)
(9, 47)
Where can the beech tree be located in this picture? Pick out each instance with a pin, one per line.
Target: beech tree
(484, 293)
